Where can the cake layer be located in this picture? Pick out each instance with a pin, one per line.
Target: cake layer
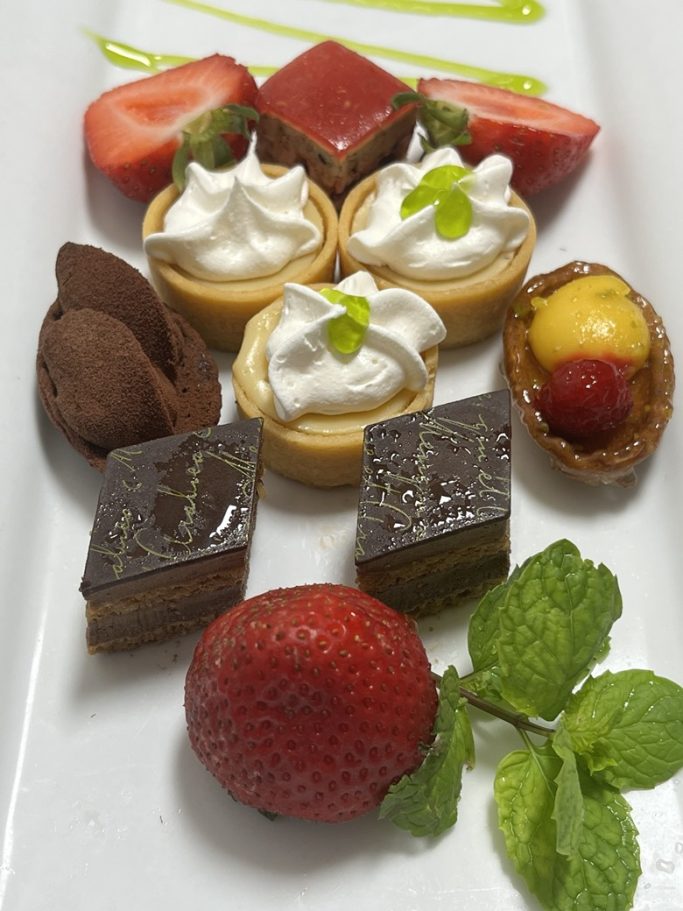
(162, 613)
(445, 584)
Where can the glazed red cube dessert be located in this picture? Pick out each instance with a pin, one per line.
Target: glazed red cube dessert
(330, 109)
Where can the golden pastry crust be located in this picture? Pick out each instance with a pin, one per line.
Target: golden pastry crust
(471, 308)
(608, 457)
(219, 311)
(318, 450)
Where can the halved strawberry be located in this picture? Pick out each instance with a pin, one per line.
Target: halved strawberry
(545, 141)
(133, 131)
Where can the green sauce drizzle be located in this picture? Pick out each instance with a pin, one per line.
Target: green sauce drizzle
(443, 188)
(516, 82)
(133, 58)
(346, 332)
(520, 12)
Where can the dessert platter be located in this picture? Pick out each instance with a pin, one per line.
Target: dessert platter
(331, 346)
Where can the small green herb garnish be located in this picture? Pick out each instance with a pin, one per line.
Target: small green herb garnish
(347, 331)
(204, 139)
(566, 826)
(442, 188)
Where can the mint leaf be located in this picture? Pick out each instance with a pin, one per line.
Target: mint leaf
(553, 621)
(628, 727)
(482, 634)
(602, 873)
(426, 802)
(524, 795)
(568, 807)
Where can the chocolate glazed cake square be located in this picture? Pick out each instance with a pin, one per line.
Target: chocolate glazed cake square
(434, 505)
(169, 549)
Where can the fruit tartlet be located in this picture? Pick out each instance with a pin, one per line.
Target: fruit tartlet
(323, 362)
(590, 369)
(224, 249)
(458, 237)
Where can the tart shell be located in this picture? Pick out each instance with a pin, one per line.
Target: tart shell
(219, 311)
(609, 457)
(472, 309)
(319, 457)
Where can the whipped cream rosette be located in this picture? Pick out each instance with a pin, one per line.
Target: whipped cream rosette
(237, 223)
(414, 246)
(458, 237)
(307, 373)
(224, 248)
(323, 362)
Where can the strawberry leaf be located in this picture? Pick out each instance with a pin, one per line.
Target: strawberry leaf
(181, 159)
(203, 140)
(426, 801)
(445, 124)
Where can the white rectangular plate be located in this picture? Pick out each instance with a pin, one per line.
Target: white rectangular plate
(105, 805)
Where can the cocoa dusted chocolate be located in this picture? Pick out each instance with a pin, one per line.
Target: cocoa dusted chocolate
(169, 549)
(115, 366)
(434, 505)
(331, 110)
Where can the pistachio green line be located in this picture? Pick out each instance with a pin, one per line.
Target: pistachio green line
(134, 58)
(514, 81)
(520, 12)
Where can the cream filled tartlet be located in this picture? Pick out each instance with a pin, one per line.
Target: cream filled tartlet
(321, 363)
(223, 249)
(457, 236)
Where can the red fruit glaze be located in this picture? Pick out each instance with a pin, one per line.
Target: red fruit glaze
(310, 701)
(583, 398)
(546, 142)
(132, 132)
(332, 95)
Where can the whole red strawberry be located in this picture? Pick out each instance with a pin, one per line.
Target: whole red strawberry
(310, 701)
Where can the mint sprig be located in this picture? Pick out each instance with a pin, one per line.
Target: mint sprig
(203, 140)
(566, 826)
